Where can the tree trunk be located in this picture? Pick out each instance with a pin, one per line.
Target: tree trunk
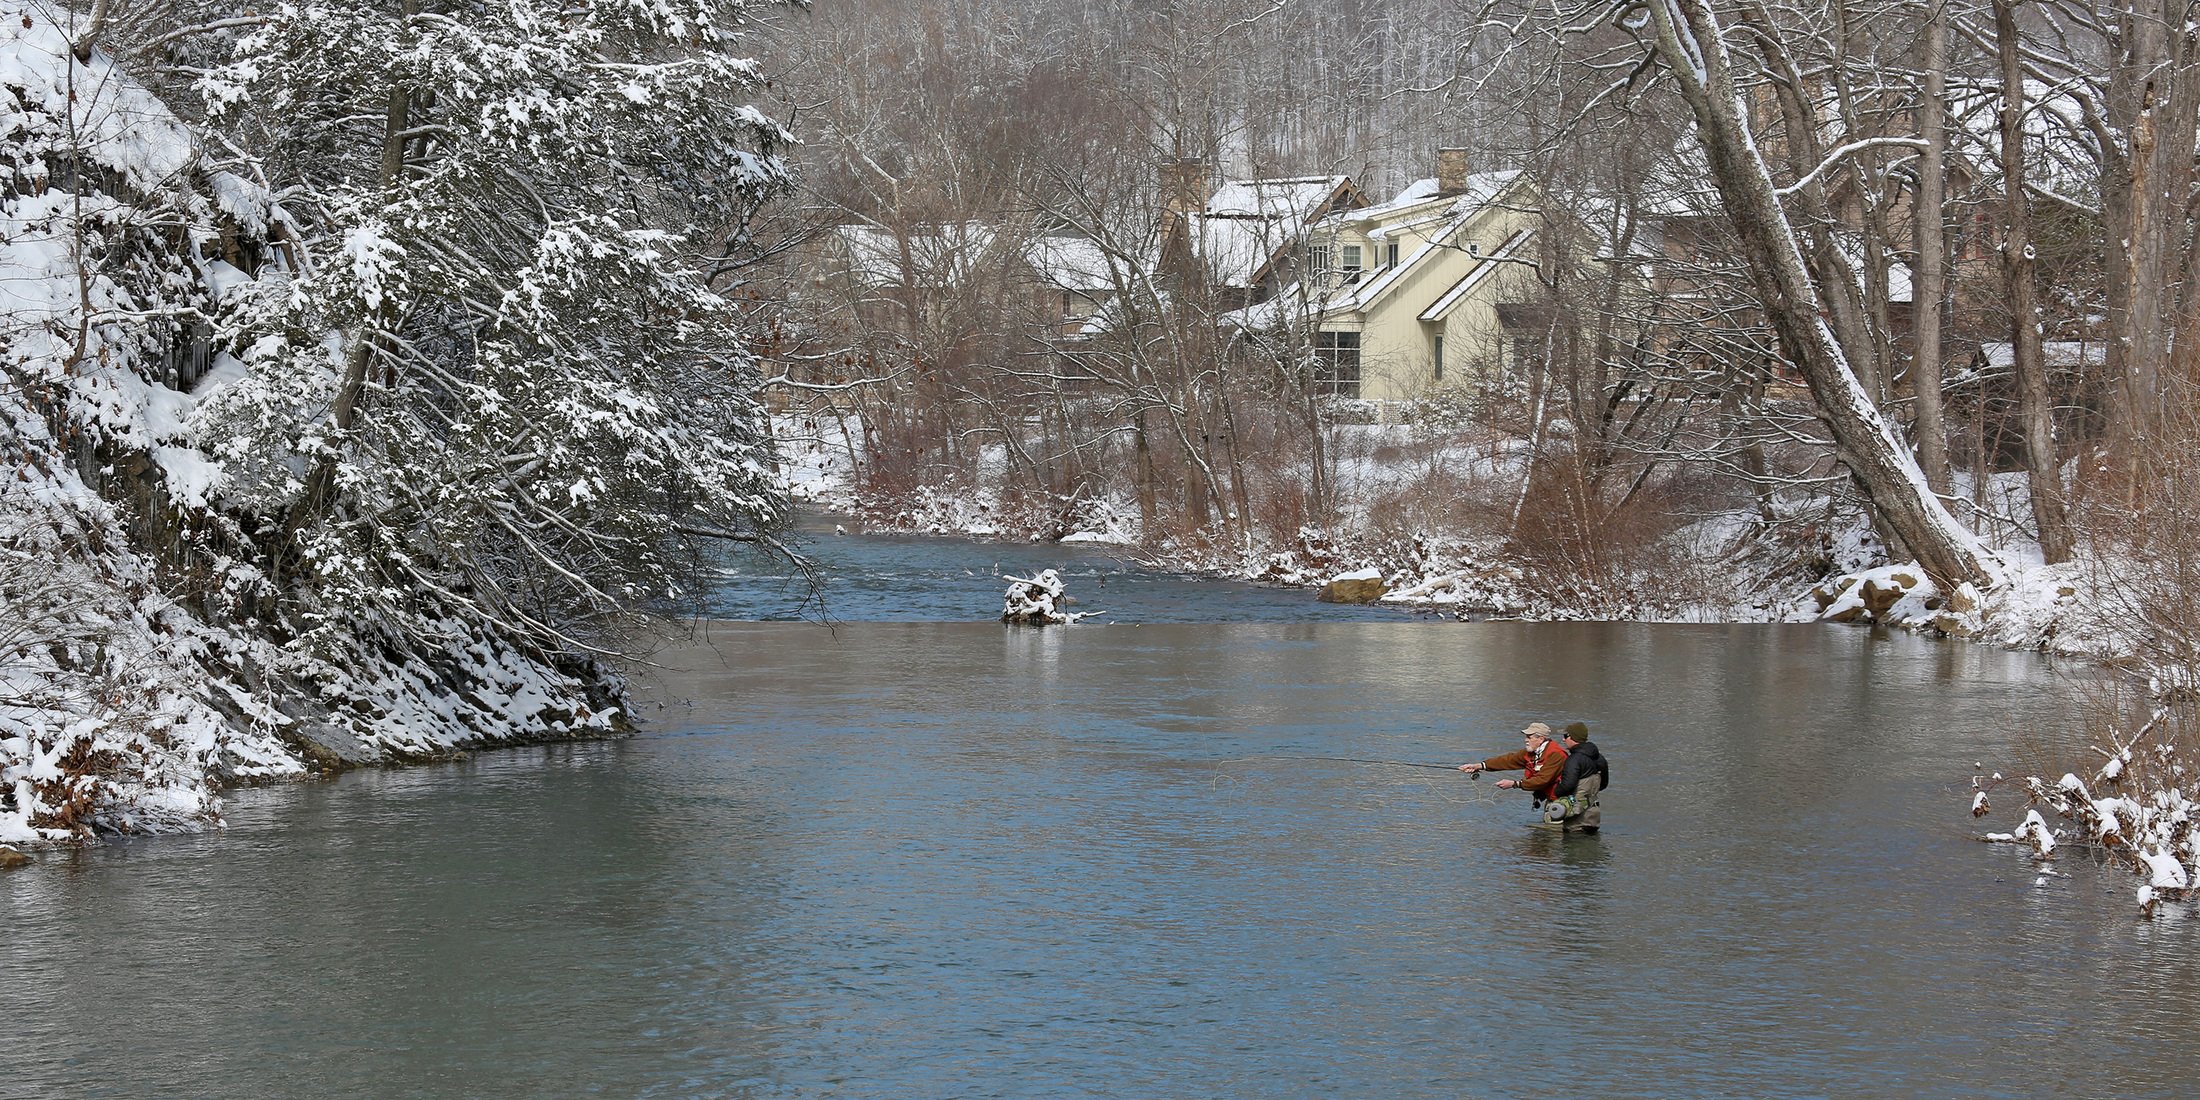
(1145, 476)
(359, 350)
(2035, 397)
(1930, 287)
(2153, 99)
(1691, 44)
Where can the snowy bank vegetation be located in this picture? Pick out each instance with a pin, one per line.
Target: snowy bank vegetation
(1879, 312)
(365, 371)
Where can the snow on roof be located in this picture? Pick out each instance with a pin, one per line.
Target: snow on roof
(939, 255)
(1074, 263)
(1237, 250)
(1298, 199)
(2066, 354)
(1481, 189)
(1482, 272)
(1414, 194)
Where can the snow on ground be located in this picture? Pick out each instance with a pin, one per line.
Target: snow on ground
(2037, 609)
(135, 679)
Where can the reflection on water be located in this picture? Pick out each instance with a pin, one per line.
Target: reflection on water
(924, 860)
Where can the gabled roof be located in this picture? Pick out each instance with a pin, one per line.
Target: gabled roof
(1414, 194)
(1296, 200)
(1237, 251)
(1420, 202)
(1416, 206)
(1249, 226)
(1483, 272)
(1074, 263)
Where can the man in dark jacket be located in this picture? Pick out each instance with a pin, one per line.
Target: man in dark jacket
(1576, 801)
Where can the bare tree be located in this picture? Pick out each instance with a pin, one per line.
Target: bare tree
(1689, 40)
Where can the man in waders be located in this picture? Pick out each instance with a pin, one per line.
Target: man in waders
(1581, 781)
(1540, 758)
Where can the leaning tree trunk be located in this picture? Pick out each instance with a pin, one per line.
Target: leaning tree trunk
(1690, 43)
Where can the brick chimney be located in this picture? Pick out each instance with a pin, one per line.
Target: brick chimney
(1184, 186)
(1451, 172)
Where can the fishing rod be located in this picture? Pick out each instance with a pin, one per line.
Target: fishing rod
(1391, 763)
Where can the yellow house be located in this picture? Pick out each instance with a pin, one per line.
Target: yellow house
(1432, 288)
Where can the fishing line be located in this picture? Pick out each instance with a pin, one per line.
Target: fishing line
(1477, 795)
(1344, 760)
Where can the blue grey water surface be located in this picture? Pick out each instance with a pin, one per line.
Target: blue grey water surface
(939, 859)
(868, 577)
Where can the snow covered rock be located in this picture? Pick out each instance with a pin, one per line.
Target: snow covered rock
(1358, 586)
(1894, 592)
(1038, 601)
(10, 859)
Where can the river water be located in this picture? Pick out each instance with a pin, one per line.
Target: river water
(954, 859)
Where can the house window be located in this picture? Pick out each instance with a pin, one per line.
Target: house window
(1390, 254)
(1438, 357)
(1318, 259)
(1525, 355)
(1528, 329)
(1352, 264)
(1339, 371)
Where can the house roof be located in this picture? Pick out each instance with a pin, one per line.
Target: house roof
(1248, 226)
(1074, 263)
(1237, 251)
(938, 255)
(953, 253)
(2062, 354)
(1414, 194)
(1483, 272)
(1298, 200)
(1482, 189)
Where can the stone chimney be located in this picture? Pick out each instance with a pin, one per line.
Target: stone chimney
(1184, 186)
(1451, 172)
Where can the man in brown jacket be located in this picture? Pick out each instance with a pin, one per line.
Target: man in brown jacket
(1541, 758)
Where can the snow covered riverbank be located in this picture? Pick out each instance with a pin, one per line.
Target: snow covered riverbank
(303, 474)
(1717, 574)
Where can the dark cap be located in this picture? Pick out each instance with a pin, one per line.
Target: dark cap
(1578, 731)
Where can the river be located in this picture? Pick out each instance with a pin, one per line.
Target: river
(953, 859)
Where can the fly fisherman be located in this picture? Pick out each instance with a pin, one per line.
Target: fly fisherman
(1541, 759)
(1581, 781)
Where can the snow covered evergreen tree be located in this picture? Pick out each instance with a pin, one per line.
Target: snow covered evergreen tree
(502, 382)
(354, 441)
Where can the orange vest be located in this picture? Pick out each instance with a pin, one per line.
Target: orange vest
(1555, 754)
